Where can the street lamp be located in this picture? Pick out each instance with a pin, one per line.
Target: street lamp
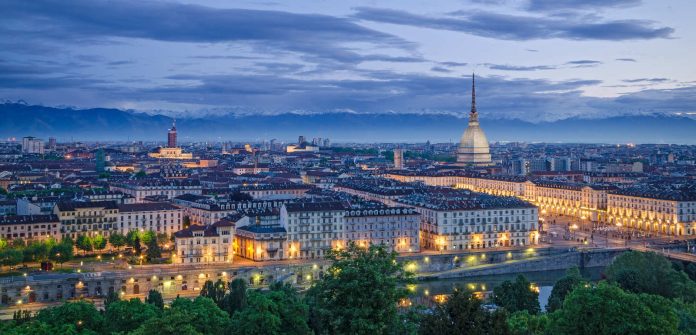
(573, 228)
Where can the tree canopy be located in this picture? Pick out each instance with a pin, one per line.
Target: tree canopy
(358, 293)
(648, 272)
(607, 309)
(517, 296)
(562, 287)
(463, 313)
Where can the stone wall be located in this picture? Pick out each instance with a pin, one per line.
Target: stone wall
(581, 259)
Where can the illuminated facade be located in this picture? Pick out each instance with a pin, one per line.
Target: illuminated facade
(313, 228)
(478, 222)
(582, 201)
(670, 213)
(87, 218)
(171, 151)
(161, 218)
(30, 227)
(205, 244)
(394, 227)
(261, 242)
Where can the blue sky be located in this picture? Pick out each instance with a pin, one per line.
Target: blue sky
(535, 59)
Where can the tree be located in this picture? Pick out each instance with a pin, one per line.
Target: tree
(154, 298)
(83, 315)
(61, 252)
(523, 323)
(18, 243)
(133, 240)
(687, 316)
(186, 222)
(35, 327)
(260, 317)
(214, 291)
(359, 292)
(148, 236)
(562, 287)
(153, 249)
(140, 174)
(111, 297)
(648, 272)
(98, 242)
(235, 299)
(127, 315)
(11, 256)
(607, 309)
(136, 245)
(21, 316)
(131, 236)
(117, 240)
(293, 312)
(28, 253)
(462, 313)
(162, 239)
(200, 316)
(84, 243)
(517, 296)
(3, 244)
(278, 311)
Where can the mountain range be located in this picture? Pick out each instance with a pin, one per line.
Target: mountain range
(105, 124)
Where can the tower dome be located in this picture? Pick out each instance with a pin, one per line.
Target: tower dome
(473, 146)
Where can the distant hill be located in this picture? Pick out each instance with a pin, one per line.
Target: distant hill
(17, 120)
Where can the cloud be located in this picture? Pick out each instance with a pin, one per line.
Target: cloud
(453, 64)
(649, 80)
(505, 67)
(626, 60)
(440, 69)
(584, 62)
(120, 62)
(278, 68)
(320, 35)
(554, 5)
(574, 64)
(517, 27)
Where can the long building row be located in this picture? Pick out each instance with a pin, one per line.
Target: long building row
(665, 208)
(71, 219)
(299, 230)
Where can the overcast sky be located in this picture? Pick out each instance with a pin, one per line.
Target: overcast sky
(534, 59)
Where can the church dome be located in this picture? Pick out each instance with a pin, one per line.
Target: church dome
(474, 138)
(473, 146)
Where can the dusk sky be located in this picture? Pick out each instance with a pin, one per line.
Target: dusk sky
(534, 59)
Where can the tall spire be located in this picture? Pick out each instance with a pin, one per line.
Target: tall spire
(473, 116)
(473, 93)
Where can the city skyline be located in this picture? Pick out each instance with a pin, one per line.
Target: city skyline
(535, 60)
(357, 167)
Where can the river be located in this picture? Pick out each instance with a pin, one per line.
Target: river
(428, 292)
